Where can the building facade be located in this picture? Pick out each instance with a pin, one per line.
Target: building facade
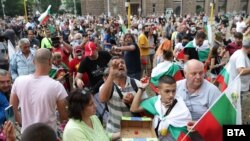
(158, 7)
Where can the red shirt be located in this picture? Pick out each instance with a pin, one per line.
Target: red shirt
(232, 47)
(73, 68)
(64, 53)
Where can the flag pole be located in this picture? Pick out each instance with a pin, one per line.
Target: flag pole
(192, 129)
(25, 10)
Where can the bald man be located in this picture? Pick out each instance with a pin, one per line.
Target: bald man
(38, 95)
(197, 93)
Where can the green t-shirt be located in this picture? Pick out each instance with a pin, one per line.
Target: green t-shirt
(77, 130)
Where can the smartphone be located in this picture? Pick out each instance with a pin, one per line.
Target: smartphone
(9, 114)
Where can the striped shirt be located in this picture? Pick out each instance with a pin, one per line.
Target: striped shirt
(117, 108)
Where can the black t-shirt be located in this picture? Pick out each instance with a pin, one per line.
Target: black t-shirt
(191, 52)
(95, 68)
(132, 60)
(65, 35)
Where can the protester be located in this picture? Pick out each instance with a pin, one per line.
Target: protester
(21, 62)
(5, 85)
(39, 104)
(168, 111)
(131, 53)
(240, 64)
(83, 123)
(118, 91)
(197, 93)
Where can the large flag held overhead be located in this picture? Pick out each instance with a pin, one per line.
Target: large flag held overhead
(44, 16)
(166, 68)
(210, 125)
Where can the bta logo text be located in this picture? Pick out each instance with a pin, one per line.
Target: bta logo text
(235, 132)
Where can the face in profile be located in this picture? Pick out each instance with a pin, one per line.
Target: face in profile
(167, 92)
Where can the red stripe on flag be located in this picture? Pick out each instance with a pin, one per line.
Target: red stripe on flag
(178, 76)
(154, 88)
(222, 82)
(209, 128)
(45, 20)
(183, 137)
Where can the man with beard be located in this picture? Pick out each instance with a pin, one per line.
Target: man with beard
(240, 64)
(143, 44)
(118, 92)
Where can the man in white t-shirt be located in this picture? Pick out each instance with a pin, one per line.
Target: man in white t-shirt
(240, 25)
(240, 64)
(38, 95)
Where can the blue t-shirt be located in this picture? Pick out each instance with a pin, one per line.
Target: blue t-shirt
(3, 104)
(109, 39)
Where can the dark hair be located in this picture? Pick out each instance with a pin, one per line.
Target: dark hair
(77, 101)
(238, 35)
(132, 37)
(39, 132)
(201, 34)
(186, 37)
(166, 79)
(214, 51)
(168, 54)
(144, 27)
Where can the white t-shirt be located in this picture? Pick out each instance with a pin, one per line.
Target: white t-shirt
(240, 26)
(38, 98)
(240, 60)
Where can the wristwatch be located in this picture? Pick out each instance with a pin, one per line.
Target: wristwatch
(142, 89)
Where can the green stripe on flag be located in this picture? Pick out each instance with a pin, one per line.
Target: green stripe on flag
(203, 54)
(176, 131)
(171, 72)
(224, 105)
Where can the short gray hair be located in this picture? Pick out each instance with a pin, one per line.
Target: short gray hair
(187, 64)
(23, 41)
(4, 72)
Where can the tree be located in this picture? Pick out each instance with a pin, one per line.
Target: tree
(16, 7)
(69, 5)
(55, 5)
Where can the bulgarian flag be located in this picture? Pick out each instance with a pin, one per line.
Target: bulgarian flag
(203, 50)
(174, 123)
(224, 77)
(44, 16)
(210, 125)
(165, 68)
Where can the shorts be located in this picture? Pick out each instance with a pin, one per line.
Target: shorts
(245, 107)
(145, 62)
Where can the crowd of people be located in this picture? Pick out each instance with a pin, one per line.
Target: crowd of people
(81, 75)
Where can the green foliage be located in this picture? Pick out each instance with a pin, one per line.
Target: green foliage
(55, 5)
(69, 5)
(199, 9)
(16, 7)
